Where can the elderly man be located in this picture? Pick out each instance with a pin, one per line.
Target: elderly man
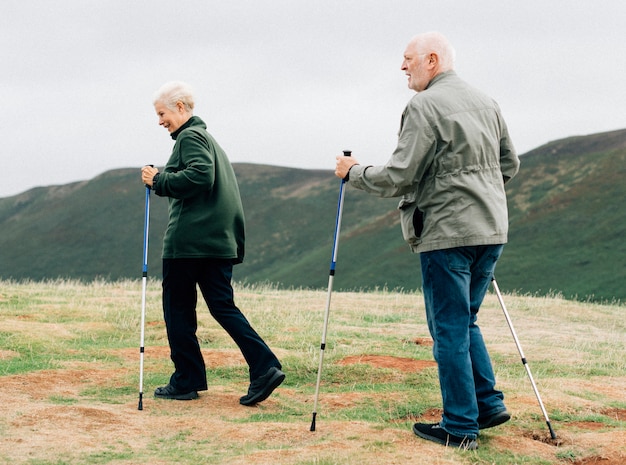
(203, 240)
(453, 157)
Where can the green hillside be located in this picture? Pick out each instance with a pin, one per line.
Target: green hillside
(568, 220)
(566, 215)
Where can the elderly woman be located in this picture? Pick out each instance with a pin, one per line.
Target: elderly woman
(203, 240)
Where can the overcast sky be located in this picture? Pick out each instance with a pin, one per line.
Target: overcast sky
(285, 82)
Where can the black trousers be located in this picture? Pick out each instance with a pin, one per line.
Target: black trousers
(213, 277)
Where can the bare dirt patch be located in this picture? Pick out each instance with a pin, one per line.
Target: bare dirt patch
(423, 341)
(599, 460)
(395, 363)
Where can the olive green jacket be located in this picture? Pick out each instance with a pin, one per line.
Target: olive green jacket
(452, 159)
(205, 212)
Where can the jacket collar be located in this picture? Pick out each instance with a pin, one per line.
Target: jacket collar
(193, 121)
(439, 77)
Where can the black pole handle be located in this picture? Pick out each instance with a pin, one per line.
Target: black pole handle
(346, 153)
(152, 166)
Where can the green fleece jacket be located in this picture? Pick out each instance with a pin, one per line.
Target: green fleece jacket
(205, 212)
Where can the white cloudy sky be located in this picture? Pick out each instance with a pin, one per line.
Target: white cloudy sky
(285, 82)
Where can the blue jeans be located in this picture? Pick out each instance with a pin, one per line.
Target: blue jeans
(454, 283)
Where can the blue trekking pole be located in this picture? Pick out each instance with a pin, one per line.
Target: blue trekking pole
(144, 279)
(331, 277)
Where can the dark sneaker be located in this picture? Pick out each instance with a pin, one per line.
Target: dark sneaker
(261, 388)
(170, 392)
(437, 434)
(494, 420)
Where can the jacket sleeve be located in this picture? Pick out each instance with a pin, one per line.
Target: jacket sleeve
(509, 161)
(408, 163)
(197, 168)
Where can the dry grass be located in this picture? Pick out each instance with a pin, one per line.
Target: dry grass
(69, 381)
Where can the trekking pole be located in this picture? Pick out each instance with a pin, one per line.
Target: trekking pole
(144, 279)
(519, 348)
(331, 277)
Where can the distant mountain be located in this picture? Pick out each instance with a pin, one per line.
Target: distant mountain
(566, 214)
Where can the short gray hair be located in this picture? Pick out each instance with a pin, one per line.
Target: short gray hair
(173, 92)
(435, 42)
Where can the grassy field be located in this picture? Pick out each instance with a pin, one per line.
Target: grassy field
(69, 375)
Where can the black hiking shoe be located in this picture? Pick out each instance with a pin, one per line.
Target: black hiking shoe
(170, 392)
(437, 434)
(261, 388)
(494, 420)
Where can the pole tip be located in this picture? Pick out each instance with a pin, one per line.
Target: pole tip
(140, 406)
(313, 422)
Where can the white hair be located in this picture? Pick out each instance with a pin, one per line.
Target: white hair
(173, 92)
(437, 43)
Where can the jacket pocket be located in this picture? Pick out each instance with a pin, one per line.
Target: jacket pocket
(411, 219)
